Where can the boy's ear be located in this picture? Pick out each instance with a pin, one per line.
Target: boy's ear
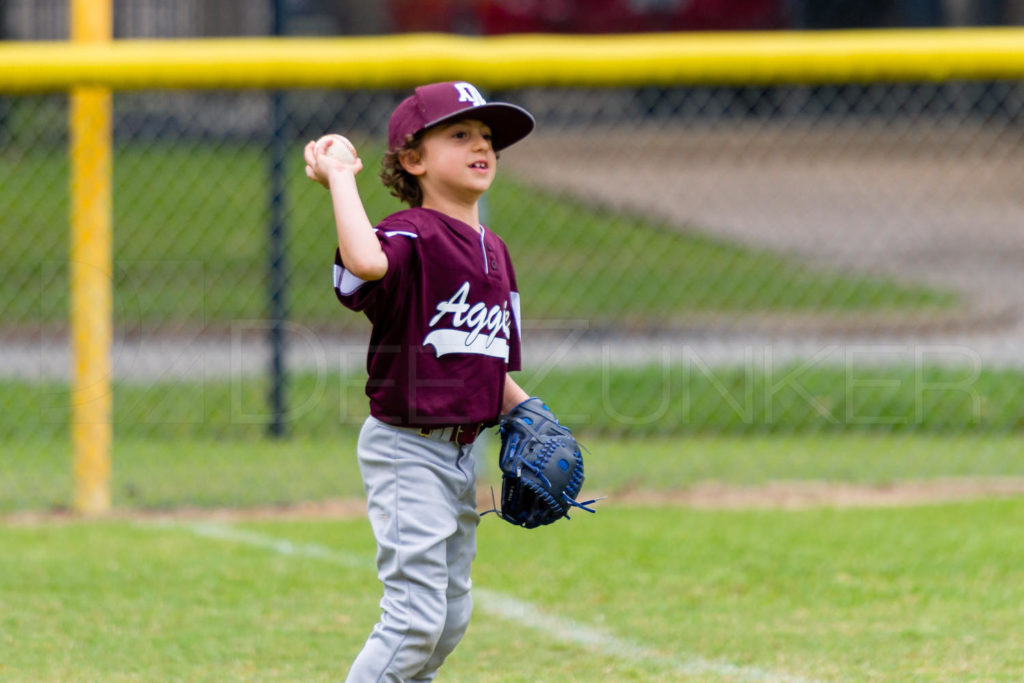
(412, 161)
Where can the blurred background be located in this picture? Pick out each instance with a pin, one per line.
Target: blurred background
(48, 19)
(723, 261)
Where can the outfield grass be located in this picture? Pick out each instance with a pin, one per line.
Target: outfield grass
(204, 443)
(190, 248)
(683, 399)
(35, 474)
(668, 401)
(929, 593)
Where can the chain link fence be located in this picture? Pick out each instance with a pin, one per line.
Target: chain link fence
(725, 261)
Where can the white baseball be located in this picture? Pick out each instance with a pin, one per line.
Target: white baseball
(339, 148)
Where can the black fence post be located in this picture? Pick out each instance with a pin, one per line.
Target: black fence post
(278, 275)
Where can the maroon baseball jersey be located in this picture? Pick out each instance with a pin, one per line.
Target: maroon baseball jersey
(445, 321)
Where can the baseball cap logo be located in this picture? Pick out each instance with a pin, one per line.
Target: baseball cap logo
(468, 93)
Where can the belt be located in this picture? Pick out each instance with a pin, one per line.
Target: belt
(463, 435)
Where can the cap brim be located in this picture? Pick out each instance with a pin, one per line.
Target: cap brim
(509, 123)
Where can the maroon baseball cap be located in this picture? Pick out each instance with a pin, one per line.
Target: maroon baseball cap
(438, 103)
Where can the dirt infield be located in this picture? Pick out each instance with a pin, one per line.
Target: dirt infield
(811, 494)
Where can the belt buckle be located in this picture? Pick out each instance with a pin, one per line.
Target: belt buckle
(465, 434)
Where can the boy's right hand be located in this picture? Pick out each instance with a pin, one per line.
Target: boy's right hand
(320, 167)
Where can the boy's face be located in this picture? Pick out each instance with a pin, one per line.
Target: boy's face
(455, 160)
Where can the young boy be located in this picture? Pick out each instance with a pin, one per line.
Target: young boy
(441, 293)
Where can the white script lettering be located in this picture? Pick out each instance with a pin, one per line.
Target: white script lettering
(477, 317)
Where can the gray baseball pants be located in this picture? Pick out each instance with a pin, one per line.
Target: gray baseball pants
(421, 500)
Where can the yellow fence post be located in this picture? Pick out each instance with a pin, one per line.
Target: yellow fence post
(91, 271)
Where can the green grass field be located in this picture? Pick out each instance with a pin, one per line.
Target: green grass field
(929, 593)
(633, 593)
(35, 475)
(203, 442)
(932, 593)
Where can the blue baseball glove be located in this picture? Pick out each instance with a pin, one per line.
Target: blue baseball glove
(541, 467)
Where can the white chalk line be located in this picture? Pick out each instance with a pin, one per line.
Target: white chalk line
(511, 609)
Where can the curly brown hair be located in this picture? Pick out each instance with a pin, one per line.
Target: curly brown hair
(400, 182)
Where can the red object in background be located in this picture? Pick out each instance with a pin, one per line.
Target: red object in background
(450, 16)
(627, 16)
(585, 16)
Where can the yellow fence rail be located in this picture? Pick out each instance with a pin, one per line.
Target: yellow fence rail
(520, 61)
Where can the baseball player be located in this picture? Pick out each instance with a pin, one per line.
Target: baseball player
(441, 294)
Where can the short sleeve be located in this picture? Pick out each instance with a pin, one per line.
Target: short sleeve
(357, 294)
